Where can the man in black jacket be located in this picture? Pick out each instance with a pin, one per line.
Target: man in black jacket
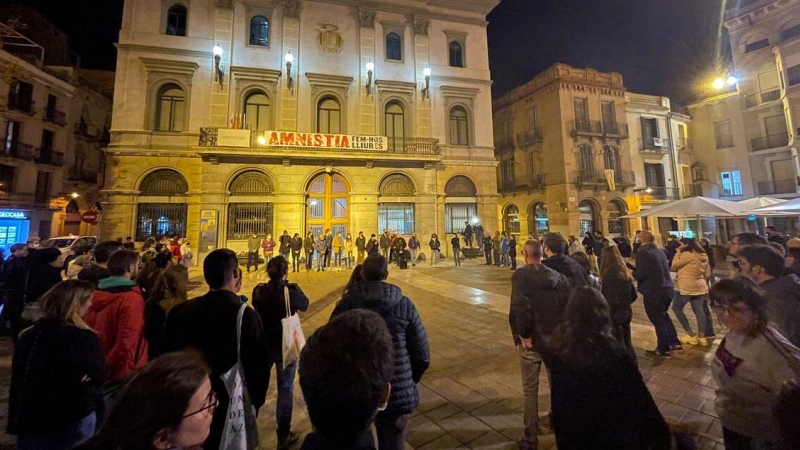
(538, 298)
(98, 270)
(361, 247)
(412, 356)
(554, 245)
(655, 284)
(208, 324)
(270, 303)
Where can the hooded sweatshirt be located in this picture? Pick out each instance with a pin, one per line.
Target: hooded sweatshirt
(691, 267)
(568, 267)
(411, 353)
(117, 314)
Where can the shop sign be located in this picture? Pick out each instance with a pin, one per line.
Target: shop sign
(90, 217)
(12, 215)
(341, 141)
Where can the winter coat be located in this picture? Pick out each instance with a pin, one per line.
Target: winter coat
(337, 244)
(487, 244)
(784, 305)
(603, 403)
(575, 247)
(47, 392)
(652, 270)
(372, 246)
(512, 248)
(435, 244)
(285, 243)
(40, 280)
(253, 244)
(411, 353)
(455, 242)
(361, 243)
(328, 242)
(399, 244)
(619, 293)
(269, 303)
(504, 245)
(117, 314)
(348, 246)
(155, 315)
(496, 243)
(296, 244)
(308, 244)
(568, 267)
(320, 245)
(539, 295)
(208, 324)
(268, 245)
(598, 245)
(385, 241)
(691, 268)
(93, 274)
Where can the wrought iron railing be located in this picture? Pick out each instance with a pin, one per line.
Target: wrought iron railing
(50, 158)
(684, 143)
(622, 178)
(55, 116)
(653, 145)
(20, 151)
(615, 129)
(777, 187)
(724, 141)
(771, 141)
(537, 181)
(530, 137)
(581, 127)
(659, 194)
(758, 98)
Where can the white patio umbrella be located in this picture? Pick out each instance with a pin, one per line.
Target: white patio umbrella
(790, 207)
(695, 207)
(760, 202)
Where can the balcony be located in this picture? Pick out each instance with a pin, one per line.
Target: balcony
(653, 145)
(579, 127)
(82, 176)
(684, 143)
(530, 137)
(616, 130)
(724, 141)
(537, 181)
(55, 116)
(759, 98)
(506, 185)
(771, 141)
(19, 150)
(25, 106)
(597, 179)
(50, 158)
(81, 130)
(692, 190)
(777, 187)
(659, 194)
(504, 144)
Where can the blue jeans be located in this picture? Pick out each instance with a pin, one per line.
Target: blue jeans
(697, 306)
(283, 411)
(337, 258)
(66, 437)
(457, 255)
(656, 306)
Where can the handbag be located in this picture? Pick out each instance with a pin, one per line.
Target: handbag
(293, 338)
(240, 431)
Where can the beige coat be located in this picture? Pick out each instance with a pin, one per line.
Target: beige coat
(691, 268)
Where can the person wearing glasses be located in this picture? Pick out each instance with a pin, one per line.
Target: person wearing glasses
(167, 404)
(750, 366)
(740, 240)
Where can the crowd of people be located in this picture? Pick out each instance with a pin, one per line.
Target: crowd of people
(119, 356)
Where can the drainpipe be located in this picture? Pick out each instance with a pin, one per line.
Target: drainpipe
(673, 160)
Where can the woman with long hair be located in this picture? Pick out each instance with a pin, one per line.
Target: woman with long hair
(751, 365)
(355, 278)
(56, 372)
(599, 399)
(691, 263)
(168, 291)
(619, 291)
(166, 404)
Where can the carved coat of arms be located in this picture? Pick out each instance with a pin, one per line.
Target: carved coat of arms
(329, 38)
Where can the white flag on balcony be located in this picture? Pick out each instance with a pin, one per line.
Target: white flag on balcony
(610, 179)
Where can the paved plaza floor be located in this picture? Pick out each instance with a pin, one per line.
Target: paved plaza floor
(472, 393)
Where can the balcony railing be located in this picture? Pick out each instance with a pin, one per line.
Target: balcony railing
(530, 137)
(771, 141)
(724, 141)
(537, 181)
(19, 151)
(759, 98)
(50, 158)
(82, 131)
(82, 176)
(684, 143)
(409, 146)
(615, 129)
(653, 145)
(25, 107)
(55, 116)
(597, 178)
(506, 185)
(504, 143)
(777, 187)
(692, 190)
(585, 127)
(659, 194)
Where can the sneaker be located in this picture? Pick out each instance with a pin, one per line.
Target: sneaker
(658, 353)
(689, 340)
(290, 440)
(703, 342)
(676, 348)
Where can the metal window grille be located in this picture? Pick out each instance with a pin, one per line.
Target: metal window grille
(246, 219)
(161, 219)
(397, 217)
(455, 214)
(164, 182)
(251, 182)
(397, 185)
(460, 186)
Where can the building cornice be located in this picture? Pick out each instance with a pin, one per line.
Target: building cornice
(185, 68)
(425, 11)
(269, 76)
(449, 79)
(459, 91)
(336, 81)
(746, 16)
(164, 50)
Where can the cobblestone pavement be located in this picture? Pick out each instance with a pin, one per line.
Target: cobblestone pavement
(472, 394)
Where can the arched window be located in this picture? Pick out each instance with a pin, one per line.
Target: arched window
(396, 216)
(511, 219)
(245, 215)
(459, 126)
(538, 220)
(611, 159)
(397, 185)
(329, 116)
(456, 54)
(156, 218)
(616, 208)
(170, 106)
(458, 212)
(259, 31)
(587, 218)
(256, 109)
(394, 47)
(176, 20)
(394, 125)
(585, 163)
(164, 183)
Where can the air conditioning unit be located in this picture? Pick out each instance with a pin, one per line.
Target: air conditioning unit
(658, 142)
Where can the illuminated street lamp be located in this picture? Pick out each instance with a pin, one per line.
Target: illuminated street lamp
(219, 74)
(426, 89)
(289, 80)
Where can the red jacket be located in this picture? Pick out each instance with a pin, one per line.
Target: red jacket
(117, 314)
(176, 252)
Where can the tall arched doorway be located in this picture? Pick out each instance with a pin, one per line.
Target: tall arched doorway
(328, 204)
(616, 208)
(538, 221)
(511, 219)
(588, 221)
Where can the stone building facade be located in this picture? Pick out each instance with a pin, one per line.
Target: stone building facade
(232, 118)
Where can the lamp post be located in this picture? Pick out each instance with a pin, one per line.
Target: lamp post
(426, 89)
(289, 80)
(219, 75)
(370, 68)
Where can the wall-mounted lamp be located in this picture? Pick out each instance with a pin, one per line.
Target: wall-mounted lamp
(289, 80)
(219, 75)
(75, 195)
(426, 89)
(370, 68)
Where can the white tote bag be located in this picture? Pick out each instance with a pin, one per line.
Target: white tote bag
(240, 432)
(293, 338)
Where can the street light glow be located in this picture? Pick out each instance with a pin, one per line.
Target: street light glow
(217, 50)
(731, 80)
(718, 83)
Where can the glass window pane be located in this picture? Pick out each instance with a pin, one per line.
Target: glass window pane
(456, 214)
(177, 116)
(316, 208)
(396, 217)
(164, 112)
(339, 208)
(317, 185)
(339, 185)
(335, 123)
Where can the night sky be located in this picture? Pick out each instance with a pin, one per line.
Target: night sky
(663, 47)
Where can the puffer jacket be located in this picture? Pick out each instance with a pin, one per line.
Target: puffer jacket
(411, 353)
(691, 267)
